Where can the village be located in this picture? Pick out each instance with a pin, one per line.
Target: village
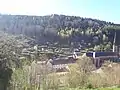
(59, 59)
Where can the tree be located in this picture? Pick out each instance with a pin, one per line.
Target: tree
(113, 31)
(79, 73)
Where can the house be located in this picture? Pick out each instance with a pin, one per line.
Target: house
(43, 47)
(99, 57)
(25, 52)
(41, 67)
(35, 47)
(76, 54)
(57, 64)
(61, 64)
(103, 55)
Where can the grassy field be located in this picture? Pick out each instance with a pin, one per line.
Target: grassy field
(91, 89)
(80, 75)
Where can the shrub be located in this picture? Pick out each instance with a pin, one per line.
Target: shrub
(79, 73)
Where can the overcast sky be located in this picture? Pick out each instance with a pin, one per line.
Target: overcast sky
(100, 9)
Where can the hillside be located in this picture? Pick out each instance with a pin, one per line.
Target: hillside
(60, 29)
(18, 56)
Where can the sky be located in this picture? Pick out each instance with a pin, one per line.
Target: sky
(107, 10)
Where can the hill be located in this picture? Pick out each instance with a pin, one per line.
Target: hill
(60, 29)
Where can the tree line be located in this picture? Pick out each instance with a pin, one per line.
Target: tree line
(61, 29)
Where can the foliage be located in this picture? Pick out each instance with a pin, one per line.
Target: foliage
(60, 28)
(8, 59)
(63, 30)
(5, 77)
(79, 73)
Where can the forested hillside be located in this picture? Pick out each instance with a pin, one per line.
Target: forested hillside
(18, 54)
(61, 29)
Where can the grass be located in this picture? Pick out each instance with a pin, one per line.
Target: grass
(90, 89)
(109, 89)
(76, 78)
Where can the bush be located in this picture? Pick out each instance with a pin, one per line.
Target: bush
(79, 73)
